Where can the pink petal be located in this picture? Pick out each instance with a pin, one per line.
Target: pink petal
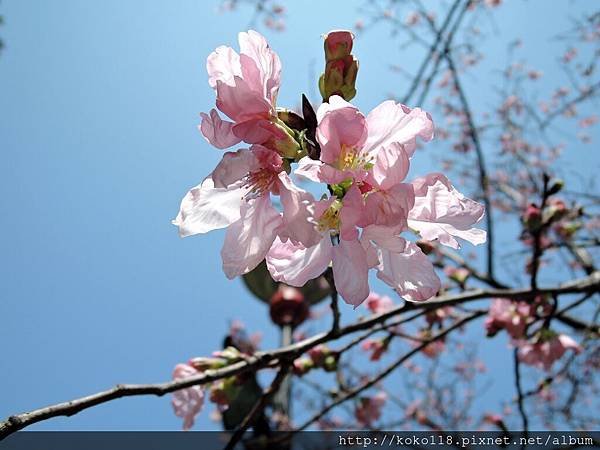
(410, 273)
(385, 237)
(223, 65)
(187, 403)
(389, 208)
(441, 212)
(233, 167)
(248, 240)
(568, 343)
(341, 125)
(391, 122)
(257, 131)
(216, 131)
(298, 212)
(266, 61)
(350, 272)
(206, 208)
(390, 167)
(240, 102)
(318, 172)
(351, 213)
(295, 264)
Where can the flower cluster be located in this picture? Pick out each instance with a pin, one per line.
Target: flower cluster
(369, 208)
(541, 349)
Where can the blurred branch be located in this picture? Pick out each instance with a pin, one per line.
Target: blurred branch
(258, 407)
(568, 105)
(280, 356)
(432, 49)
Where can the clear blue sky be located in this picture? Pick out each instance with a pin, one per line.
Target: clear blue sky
(99, 108)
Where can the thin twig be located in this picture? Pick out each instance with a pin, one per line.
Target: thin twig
(483, 177)
(275, 357)
(258, 407)
(356, 391)
(520, 396)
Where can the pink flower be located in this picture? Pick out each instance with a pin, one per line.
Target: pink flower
(368, 409)
(377, 347)
(379, 304)
(433, 349)
(237, 195)
(438, 315)
(373, 155)
(187, 403)
(246, 85)
(443, 213)
(375, 149)
(509, 315)
(546, 351)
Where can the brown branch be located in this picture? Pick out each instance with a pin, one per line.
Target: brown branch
(335, 309)
(276, 357)
(258, 407)
(537, 236)
(520, 396)
(432, 50)
(354, 392)
(483, 177)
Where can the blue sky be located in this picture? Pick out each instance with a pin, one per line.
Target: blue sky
(98, 116)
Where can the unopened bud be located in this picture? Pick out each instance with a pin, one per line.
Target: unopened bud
(532, 218)
(302, 366)
(341, 67)
(338, 43)
(201, 363)
(557, 209)
(556, 187)
(459, 275)
(283, 140)
(330, 363)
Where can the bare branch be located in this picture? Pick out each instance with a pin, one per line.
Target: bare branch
(278, 356)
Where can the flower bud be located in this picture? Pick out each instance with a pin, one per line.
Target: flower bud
(302, 366)
(230, 354)
(318, 354)
(283, 140)
(532, 218)
(341, 67)
(555, 187)
(330, 363)
(338, 43)
(457, 274)
(201, 363)
(557, 209)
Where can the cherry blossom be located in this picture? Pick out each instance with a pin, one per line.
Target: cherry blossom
(368, 409)
(246, 85)
(187, 403)
(508, 315)
(546, 350)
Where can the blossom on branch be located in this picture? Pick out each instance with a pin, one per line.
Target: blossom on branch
(362, 160)
(187, 403)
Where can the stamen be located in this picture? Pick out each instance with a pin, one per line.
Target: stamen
(330, 219)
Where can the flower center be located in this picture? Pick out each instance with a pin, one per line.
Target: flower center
(330, 219)
(351, 158)
(259, 182)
